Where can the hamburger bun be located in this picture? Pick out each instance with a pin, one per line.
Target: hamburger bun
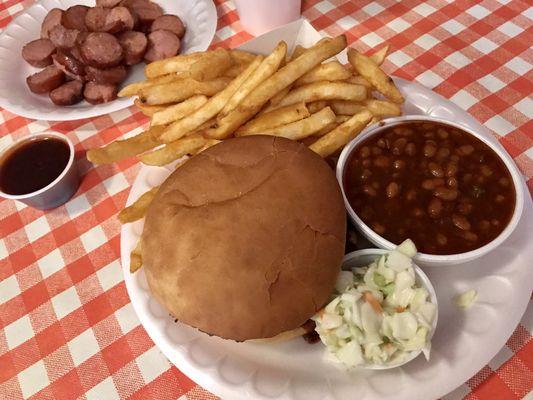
(246, 239)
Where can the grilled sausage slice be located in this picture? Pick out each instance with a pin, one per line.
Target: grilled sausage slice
(53, 18)
(63, 38)
(74, 17)
(72, 67)
(170, 23)
(95, 19)
(120, 19)
(161, 44)
(101, 50)
(113, 75)
(134, 45)
(98, 93)
(107, 3)
(67, 94)
(145, 10)
(39, 52)
(45, 80)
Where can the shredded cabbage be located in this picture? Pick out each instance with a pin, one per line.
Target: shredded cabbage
(379, 314)
(466, 299)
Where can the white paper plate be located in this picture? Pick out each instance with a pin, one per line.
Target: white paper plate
(463, 343)
(200, 18)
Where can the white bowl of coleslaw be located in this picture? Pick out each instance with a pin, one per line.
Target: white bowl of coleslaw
(383, 313)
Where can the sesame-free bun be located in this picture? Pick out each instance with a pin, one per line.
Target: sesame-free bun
(246, 239)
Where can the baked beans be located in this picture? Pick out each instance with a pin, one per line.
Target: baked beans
(436, 184)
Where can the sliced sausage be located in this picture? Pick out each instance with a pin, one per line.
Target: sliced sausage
(145, 10)
(161, 44)
(120, 19)
(72, 67)
(53, 18)
(95, 19)
(113, 75)
(67, 94)
(74, 17)
(107, 3)
(46, 80)
(134, 45)
(39, 52)
(63, 38)
(101, 50)
(97, 93)
(170, 23)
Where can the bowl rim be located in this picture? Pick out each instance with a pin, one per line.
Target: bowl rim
(422, 279)
(425, 257)
(45, 134)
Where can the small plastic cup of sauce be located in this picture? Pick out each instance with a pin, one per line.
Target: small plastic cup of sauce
(39, 171)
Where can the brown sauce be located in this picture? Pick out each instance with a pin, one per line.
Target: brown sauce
(438, 185)
(33, 165)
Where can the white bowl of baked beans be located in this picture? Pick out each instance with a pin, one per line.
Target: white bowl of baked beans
(453, 191)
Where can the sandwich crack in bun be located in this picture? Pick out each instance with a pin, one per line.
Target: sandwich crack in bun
(246, 239)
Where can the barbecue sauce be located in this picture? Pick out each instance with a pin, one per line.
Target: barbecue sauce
(33, 165)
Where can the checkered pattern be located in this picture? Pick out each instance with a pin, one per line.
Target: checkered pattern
(67, 328)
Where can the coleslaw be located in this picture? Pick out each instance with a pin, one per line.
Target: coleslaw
(379, 314)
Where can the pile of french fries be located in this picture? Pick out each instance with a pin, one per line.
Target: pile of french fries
(197, 100)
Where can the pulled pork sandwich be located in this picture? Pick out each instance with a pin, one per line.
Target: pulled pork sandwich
(245, 240)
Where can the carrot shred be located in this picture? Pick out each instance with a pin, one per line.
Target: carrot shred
(399, 309)
(370, 299)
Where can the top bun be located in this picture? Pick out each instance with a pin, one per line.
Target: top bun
(246, 239)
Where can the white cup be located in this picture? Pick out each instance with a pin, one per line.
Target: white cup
(57, 192)
(260, 16)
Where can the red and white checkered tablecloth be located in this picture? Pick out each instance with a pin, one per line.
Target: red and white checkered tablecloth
(67, 328)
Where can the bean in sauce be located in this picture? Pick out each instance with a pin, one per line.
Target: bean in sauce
(436, 184)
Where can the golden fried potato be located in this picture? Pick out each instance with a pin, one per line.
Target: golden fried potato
(324, 91)
(210, 109)
(341, 135)
(133, 89)
(179, 90)
(368, 69)
(149, 110)
(381, 108)
(120, 149)
(138, 209)
(303, 128)
(211, 66)
(173, 151)
(316, 106)
(272, 119)
(328, 71)
(280, 80)
(177, 111)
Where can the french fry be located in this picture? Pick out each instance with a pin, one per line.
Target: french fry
(136, 260)
(343, 107)
(303, 128)
(134, 88)
(210, 109)
(297, 52)
(328, 128)
(211, 66)
(180, 90)
(368, 69)
(138, 209)
(208, 144)
(324, 91)
(280, 80)
(173, 151)
(359, 80)
(316, 106)
(235, 70)
(329, 71)
(121, 149)
(381, 108)
(341, 135)
(266, 69)
(340, 119)
(177, 111)
(149, 110)
(179, 63)
(280, 116)
(379, 56)
(242, 57)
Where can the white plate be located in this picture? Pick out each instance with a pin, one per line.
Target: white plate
(463, 343)
(200, 18)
